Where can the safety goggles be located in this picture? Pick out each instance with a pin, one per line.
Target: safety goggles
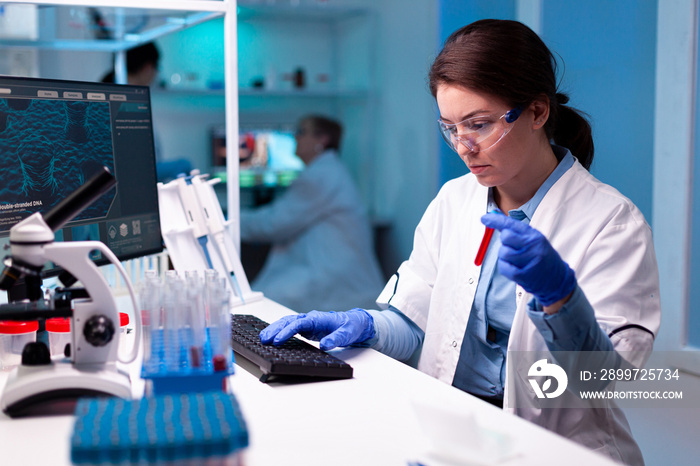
(480, 132)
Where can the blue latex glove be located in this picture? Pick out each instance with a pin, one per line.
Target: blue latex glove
(527, 258)
(331, 328)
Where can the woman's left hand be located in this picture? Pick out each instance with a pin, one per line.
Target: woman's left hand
(527, 258)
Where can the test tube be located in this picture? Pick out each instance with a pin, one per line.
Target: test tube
(183, 328)
(167, 302)
(210, 278)
(155, 308)
(210, 282)
(196, 319)
(481, 253)
(172, 321)
(145, 315)
(221, 328)
(211, 318)
(225, 328)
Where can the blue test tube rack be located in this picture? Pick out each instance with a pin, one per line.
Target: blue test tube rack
(187, 348)
(182, 429)
(195, 382)
(186, 378)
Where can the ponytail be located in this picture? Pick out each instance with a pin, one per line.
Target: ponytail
(569, 127)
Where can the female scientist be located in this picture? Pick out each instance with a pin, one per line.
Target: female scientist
(571, 266)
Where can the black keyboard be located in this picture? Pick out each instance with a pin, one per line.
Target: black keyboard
(293, 359)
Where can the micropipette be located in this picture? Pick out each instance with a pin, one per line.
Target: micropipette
(216, 230)
(193, 214)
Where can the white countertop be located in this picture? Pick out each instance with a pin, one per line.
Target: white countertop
(387, 414)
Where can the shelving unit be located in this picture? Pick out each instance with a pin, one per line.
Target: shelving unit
(324, 39)
(266, 94)
(133, 22)
(334, 45)
(301, 9)
(130, 27)
(304, 93)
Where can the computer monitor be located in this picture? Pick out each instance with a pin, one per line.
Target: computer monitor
(258, 148)
(54, 135)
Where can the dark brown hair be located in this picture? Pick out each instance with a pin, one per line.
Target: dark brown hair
(136, 59)
(507, 59)
(323, 126)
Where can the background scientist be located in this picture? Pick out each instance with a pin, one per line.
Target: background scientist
(322, 254)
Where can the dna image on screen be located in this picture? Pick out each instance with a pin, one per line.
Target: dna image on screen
(48, 148)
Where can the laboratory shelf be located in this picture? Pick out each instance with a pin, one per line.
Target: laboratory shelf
(251, 92)
(113, 26)
(313, 11)
(175, 5)
(303, 93)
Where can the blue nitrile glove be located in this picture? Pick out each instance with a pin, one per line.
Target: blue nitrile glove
(331, 328)
(527, 258)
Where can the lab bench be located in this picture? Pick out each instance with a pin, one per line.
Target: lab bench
(387, 414)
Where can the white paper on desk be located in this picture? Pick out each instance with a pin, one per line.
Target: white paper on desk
(456, 437)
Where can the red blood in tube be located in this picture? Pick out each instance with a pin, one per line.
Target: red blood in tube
(194, 354)
(483, 246)
(219, 362)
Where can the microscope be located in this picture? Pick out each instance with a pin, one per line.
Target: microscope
(43, 385)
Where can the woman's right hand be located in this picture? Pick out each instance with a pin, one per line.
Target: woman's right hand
(332, 329)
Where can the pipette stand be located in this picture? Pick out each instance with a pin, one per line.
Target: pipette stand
(198, 237)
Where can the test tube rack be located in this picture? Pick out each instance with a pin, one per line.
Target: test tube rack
(187, 333)
(191, 428)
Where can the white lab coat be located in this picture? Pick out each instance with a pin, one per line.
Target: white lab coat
(595, 229)
(322, 254)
